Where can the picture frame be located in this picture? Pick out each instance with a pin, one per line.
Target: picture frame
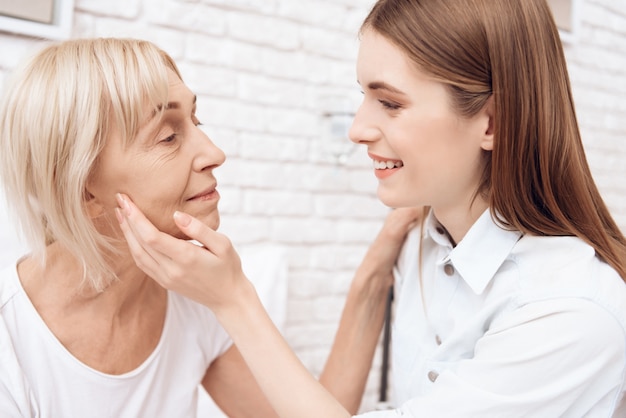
(26, 18)
(566, 16)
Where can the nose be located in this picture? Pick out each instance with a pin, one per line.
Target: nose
(363, 130)
(207, 155)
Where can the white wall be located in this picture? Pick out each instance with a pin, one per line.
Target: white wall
(265, 72)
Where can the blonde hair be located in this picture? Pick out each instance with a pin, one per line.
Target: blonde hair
(537, 178)
(55, 119)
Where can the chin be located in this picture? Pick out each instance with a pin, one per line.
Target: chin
(390, 200)
(212, 221)
(395, 201)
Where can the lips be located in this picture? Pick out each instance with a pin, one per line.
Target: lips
(205, 194)
(383, 163)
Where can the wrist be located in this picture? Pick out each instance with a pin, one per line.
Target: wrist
(374, 276)
(241, 298)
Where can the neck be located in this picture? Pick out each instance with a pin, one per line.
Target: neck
(458, 220)
(112, 331)
(60, 284)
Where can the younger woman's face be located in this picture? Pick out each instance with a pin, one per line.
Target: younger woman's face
(423, 152)
(168, 167)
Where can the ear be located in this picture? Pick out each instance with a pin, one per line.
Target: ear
(488, 113)
(93, 206)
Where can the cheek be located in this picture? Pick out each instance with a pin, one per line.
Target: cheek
(159, 210)
(164, 221)
(159, 190)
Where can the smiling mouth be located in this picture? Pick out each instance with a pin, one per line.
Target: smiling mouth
(386, 165)
(205, 195)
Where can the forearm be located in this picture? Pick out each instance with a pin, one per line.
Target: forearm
(350, 360)
(288, 385)
(212, 276)
(352, 353)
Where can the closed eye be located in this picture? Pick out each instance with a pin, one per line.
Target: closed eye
(389, 105)
(169, 139)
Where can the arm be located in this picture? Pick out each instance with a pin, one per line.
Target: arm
(183, 267)
(291, 389)
(233, 388)
(212, 275)
(350, 360)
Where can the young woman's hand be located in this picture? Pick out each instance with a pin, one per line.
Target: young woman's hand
(210, 274)
(384, 250)
(349, 363)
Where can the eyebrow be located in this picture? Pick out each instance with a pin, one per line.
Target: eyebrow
(381, 85)
(171, 105)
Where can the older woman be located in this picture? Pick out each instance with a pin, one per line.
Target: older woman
(83, 331)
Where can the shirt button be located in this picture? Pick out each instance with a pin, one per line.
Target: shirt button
(448, 269)
(433, 375)
(438, 339)
(440, 230)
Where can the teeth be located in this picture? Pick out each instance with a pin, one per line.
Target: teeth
(381, 165)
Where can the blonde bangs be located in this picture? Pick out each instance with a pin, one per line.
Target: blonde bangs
(142, 90)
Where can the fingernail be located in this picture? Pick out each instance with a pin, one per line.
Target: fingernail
(182, 218)
(123, 204)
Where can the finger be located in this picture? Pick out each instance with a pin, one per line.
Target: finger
(213, 241)
(171, 258)
(150, 247)
(142, 258)
(407, 215)
(412, 216)
(401, 220)
(152, 240)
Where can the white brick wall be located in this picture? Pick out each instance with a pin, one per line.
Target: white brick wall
(265, 72)
(597, 65)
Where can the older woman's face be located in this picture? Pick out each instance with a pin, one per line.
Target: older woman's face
(168, 167)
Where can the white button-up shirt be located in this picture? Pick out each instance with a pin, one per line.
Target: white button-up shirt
(504, 325)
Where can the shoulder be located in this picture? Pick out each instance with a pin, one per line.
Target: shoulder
(542, 253)
(562, 262)
(190, 324)
(552, 268)
(182, 310)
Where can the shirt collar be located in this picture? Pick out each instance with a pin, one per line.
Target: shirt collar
(480, 253)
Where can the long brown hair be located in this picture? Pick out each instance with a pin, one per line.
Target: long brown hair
(536, 178)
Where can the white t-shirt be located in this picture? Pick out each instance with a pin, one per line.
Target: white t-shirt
(40, 378)
(506, 326)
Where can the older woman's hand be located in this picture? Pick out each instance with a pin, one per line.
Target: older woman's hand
(210, 274)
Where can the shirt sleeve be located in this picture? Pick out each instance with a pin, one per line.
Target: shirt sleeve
(561, 357)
